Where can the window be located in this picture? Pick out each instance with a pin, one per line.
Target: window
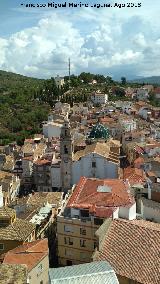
(93, 164)
(68, 229)
(65, 149)
(39, 269)
(1, 246)
(76, 216)
(84, 213)
(98, 221)
(68, 241)
(82, 231)
(95, 245)
(82, 243)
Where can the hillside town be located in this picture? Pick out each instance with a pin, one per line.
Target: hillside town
(80, 201)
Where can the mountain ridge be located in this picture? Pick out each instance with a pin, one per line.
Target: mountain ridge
(149, 80)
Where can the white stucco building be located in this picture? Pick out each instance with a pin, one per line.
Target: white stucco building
(145, 112)
(97, 160)
(56, 174)
(27, 166)
(52, 129)
(59, 81)
(142, 94)
(126, 107)
(128, 124)
(99, 98)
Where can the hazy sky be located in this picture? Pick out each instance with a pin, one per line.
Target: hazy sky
(111, 41)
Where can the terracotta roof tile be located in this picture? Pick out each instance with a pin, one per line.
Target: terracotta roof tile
(134, 175)
(87, 195)
(29, 254)
(139, 160)
(30, 158)
(106, 119)
(41, 162)
(133, 250)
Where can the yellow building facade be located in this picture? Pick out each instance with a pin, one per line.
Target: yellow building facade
(76, 239)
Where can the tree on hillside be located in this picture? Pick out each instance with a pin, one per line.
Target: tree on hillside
(49, 93)
(100, 78)
(86, 77)
(119, 92)
(123, 80)
(109, 80)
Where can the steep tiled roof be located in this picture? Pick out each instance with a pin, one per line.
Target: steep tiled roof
(19, 230)
(12, 273)
(9, 164)
(29, 254)
(100, 196)
(6, 212)
(106, 119)
(133, 250)
(102, 149)
(139, 160)
(42, 198)
(134, 175)
(4, 174)
(30, 158)
(27, 148)
(41, 162)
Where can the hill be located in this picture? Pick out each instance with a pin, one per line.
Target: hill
(148, 80)
(21, 112)
(11, 81)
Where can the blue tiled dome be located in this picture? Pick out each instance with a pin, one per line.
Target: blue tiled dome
(99, 131)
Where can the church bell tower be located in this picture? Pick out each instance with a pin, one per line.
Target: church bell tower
(66, 152)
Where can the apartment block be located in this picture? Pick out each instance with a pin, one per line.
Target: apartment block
(90, 203)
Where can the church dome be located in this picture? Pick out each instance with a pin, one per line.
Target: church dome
(99, 131)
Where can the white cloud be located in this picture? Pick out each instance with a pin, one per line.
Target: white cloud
(94, 41)
(139, 40)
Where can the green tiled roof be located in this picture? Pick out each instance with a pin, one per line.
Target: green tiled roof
(99, 131)
(97, 272)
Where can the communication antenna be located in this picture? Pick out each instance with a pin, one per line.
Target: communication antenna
(69, 70)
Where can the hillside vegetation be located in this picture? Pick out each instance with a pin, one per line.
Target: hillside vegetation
(11, 81)
(20, 113)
